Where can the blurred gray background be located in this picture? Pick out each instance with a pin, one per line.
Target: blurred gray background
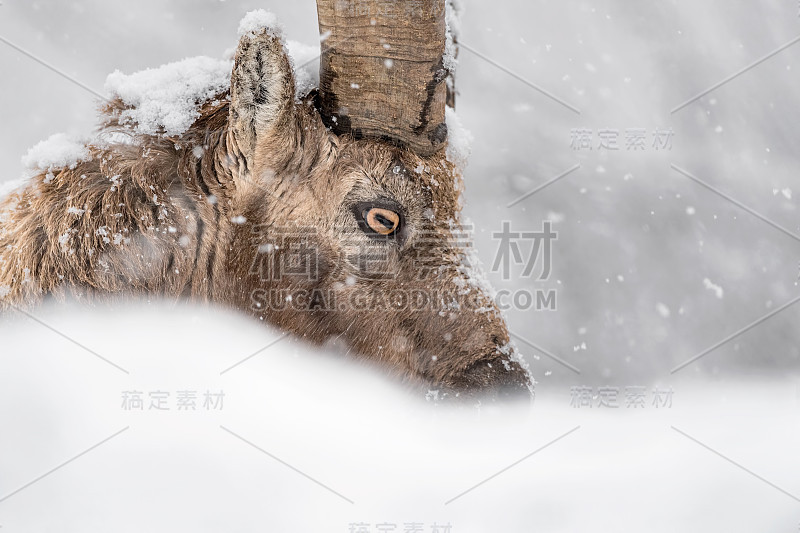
(651, 268)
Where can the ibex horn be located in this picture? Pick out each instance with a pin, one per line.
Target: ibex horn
(383, 70)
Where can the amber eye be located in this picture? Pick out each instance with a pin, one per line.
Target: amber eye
(382, 221)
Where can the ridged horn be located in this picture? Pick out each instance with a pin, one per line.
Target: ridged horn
(382, 70)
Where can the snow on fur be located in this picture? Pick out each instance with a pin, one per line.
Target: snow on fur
(300, 54)
(7, 188)
(57, 151)
(257, 20)
(167, 99)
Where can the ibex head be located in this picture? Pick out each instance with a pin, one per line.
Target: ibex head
(335, 215)
(361, 235)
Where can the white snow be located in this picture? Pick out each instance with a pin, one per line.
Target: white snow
(718, 291)
(453, 13)
(166, 99)
(786, 192)
(64, 241)
(257, 20)
(459, 140)
(400, 459)
(57, 151)
(9, 187)
(454, 16)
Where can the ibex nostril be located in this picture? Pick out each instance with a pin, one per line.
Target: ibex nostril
(497, 379)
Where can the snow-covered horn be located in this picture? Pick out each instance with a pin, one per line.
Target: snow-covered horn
(383, 70)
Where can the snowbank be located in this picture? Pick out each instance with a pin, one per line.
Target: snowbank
(301, 428)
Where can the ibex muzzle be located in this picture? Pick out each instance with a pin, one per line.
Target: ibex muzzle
(260, 206)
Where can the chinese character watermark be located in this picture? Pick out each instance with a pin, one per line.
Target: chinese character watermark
(405, 527)
(299, 269)
(630, 397)
(509, 251)
(612, 139)
(181, 400)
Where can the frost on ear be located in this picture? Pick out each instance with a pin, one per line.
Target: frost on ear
(262, 82)
(259, 20)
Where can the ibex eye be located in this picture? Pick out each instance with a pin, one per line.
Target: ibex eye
(382, 221)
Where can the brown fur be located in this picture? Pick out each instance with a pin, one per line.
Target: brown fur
(159, 220)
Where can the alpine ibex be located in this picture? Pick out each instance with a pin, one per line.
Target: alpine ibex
(334, 214)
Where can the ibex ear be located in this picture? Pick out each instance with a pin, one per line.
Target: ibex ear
(262, 83)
